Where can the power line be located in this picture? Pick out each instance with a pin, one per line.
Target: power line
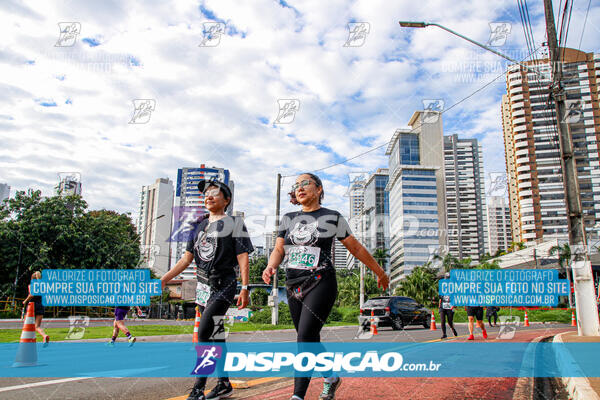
(584, 21)
(415, 129)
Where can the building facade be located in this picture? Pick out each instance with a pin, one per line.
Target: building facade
(4, 191)
(465, 198)
(416, 189)
(376, 210)
(499, 230)
(70, 185)
(533, 163)
(154, 225)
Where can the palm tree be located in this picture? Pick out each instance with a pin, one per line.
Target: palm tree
(564, 258)
(448, 261)
(516, 246)
(381, 255)
(421, 285)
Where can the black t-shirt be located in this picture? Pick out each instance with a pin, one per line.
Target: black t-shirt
(308, 237)
(446, 305)
(216, 246)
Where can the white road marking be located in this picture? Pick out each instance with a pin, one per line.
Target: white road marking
(43, 383)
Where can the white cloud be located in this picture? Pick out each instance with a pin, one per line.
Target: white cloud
(210, 101)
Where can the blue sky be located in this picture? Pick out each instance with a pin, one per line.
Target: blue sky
(68, 108)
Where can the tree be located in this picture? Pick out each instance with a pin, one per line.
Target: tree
(381, 255)
(349, 288)
(56, 232)
(564, 260)
(259, 297)
(421, 285)
(258, 265)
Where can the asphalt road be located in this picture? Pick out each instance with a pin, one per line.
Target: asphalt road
(281, 389)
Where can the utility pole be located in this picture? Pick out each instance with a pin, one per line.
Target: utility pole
(587, 314)
(275, 290)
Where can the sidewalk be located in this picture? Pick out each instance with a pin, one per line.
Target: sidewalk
(579, 388)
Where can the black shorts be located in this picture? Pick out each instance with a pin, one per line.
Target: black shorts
(39, 308)
(476, 312)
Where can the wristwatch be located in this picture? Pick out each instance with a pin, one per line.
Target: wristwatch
(244, 287)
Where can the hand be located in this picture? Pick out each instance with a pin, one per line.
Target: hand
(243, 299)
(24, 302)
(268, 273)
(383, 281)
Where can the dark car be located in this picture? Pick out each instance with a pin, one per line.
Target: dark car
(396, 311)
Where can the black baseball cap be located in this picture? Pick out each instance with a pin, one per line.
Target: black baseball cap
(203, 184)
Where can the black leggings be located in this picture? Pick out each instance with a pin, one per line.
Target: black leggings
(444, 313)
(309, 316)
(221, 298)
(495, 315)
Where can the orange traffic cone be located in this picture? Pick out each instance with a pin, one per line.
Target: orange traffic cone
(433, 328)
(374, 323)
(27, 351)
(526, 319)
(573, 322)
(196, 325)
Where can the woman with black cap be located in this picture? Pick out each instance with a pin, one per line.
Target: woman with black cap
(218, 245)
(303, 244)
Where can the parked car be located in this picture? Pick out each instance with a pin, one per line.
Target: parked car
(396, 311)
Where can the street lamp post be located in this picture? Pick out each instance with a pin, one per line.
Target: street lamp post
(587, 318)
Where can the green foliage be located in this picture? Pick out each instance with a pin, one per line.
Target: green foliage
(421, 285)
(259, 297)
(349, 288)
(58, 232)
(258, 265)
(264, 316)
(335, 315)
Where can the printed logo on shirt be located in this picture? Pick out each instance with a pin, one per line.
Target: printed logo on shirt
(206, 246)
(304, 234)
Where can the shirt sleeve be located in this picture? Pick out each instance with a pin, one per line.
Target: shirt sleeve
(241, 238)
(192, 238)
(343, 229)
(284, 223)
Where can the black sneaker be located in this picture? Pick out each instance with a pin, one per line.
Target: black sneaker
(454, 331)
(329, 389)
(444, 336)
(197, 394)
(222, 391)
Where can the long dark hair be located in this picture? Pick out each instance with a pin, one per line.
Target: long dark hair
(318, 182)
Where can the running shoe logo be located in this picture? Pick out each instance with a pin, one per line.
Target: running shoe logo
(207, 359)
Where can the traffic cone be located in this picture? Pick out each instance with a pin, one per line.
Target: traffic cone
(374, 323)
(526, 319)
(27, 351)
(573, 322)
(433, 328)
(196, 325)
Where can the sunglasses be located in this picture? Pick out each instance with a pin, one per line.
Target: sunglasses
(302, 184)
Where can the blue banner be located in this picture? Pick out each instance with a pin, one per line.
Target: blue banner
(443, 359)
(95, 287)
(500, 287)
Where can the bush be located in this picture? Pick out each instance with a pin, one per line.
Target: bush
(350, 315)
(334, 315)
(259, 297)
(264, 316)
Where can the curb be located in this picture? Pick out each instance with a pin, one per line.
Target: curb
(525, 386)
(578, 387)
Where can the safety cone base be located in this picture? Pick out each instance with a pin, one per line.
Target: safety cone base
(27, 350)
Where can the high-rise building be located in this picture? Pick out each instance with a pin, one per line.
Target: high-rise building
(270, 242)
(189, 205)
(536, 191)
(4, 191)
(356, 193)
(416, 193)
(499, 232)
(376, 210)
(69, 185)
(339, 255)
(465, 198)
(154, 225)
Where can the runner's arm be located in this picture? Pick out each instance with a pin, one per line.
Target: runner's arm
(181, 265)
(243, 298)
(274, 260)
(359, 251)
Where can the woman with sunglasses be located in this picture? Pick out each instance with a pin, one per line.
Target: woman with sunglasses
(303, 244)
(219, 244)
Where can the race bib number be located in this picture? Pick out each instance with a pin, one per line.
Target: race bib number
(202, 293)
(303, 257)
